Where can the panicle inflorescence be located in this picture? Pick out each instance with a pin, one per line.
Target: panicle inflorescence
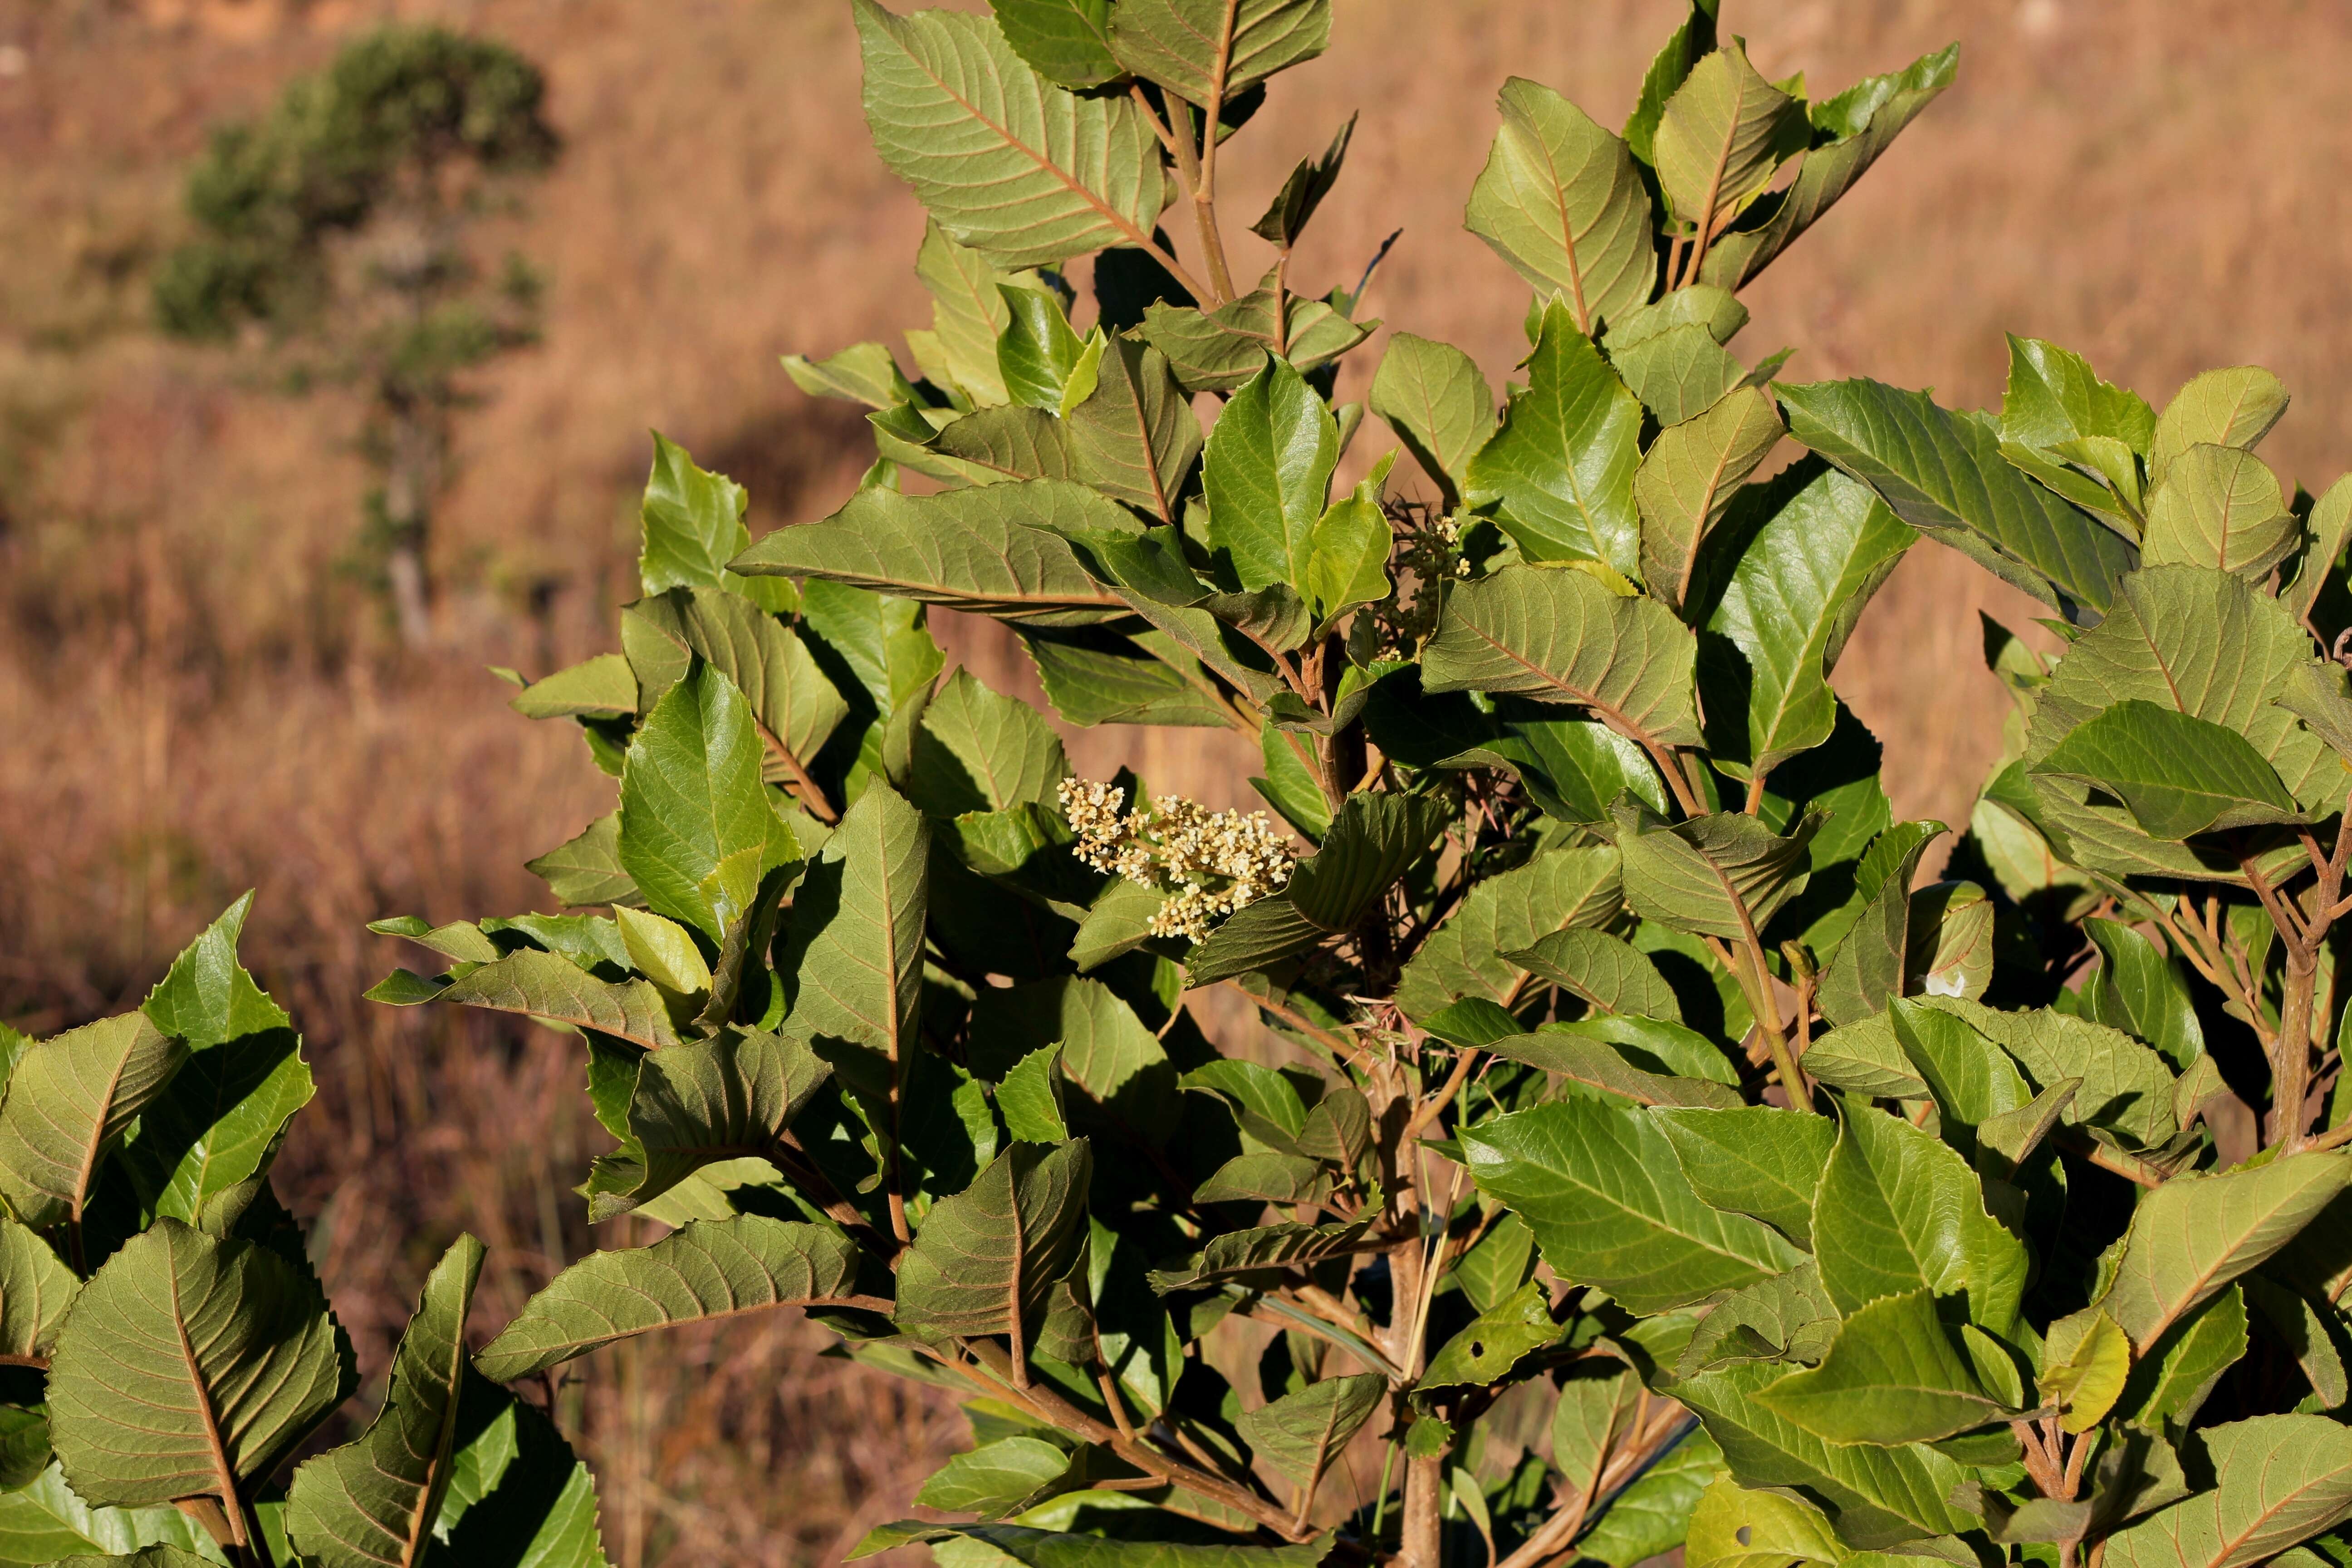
(1210, 863)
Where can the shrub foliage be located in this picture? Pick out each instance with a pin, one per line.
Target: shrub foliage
(1637, 1151)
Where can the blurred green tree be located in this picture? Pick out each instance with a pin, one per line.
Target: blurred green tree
(342, 229)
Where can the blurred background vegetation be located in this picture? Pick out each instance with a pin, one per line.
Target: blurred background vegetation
(203, 688)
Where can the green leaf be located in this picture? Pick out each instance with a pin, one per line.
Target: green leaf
(604, 686)
(864, 372)
(1561, 469)
(1436, 400)
(35, 1288)
(543, 985)
(1606, 971)
(1865, 1059)
(375, 1501)
(2177, 775)
(1877, 1496)
(2233, 408)
(1485, 1352)
(1785, 1319)
(994, 551)
(2140, 990)
(1373, 839)
(1943, 473)
(2282, 1479)
(2055, 396)
(2085, 1360)
(227, 1107)
(1669, 68)
(1755, 1161)
(2125, 1088)
(696, 832)
(1008, 1475)
(1102, 678)
(662, 950)
(1898, 1211)
(1735, 1528)
(2329, 524)
(1037, 352)
(2193, 639)
(700, 1103)
(1300, 1433)
(1689, 478)
(968, 315)
(1860, 123)
(1219, 349)
(2171, 1380)
(1678, 374)
(1892, 1375)
(2192, 1235)
(1561, 200)
(1563, 636)
(1610, 1207)
(1266, 1178)
(977, 750)
(1721, 136)
(145, 1557)
(2220, 507)
(1809, 556)
(1347, 562)
(986, 1258)
(1136, 437)
(1652, 1516)
(1504, 914)
(693, 524)
(1311, 180)
(1208, 51)
(71, 1098)
(518, 1497)
(587, 870)
(1044, 1549)
(1871, 965)
(793, 704)
(191, 1365)
(45, 1522)
(1106, 1052)
(1972, 1080)
(1268, 469)
(1581, 1054)
(1008, 163)
(1243, 1252)
(1722, 875)
(853, 951)
(1067, 41)
(709, 1270)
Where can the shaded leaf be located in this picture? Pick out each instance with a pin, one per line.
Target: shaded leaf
(987, 1258)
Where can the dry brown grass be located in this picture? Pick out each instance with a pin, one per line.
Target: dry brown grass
(194, 698)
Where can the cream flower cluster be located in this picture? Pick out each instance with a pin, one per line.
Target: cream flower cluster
(1209, 862)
